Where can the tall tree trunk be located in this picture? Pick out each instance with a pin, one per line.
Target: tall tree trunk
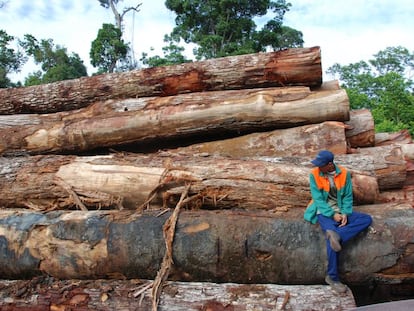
(217, 246)
(151, 120)
(58, 182)
(301, 66)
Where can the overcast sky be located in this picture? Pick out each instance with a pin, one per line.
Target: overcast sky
(346, 30)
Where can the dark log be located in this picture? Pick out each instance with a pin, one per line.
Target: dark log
(301, 66)
(212, 246)
(120, 180)
(190, 116)
(304, 140)
(108, 295)
(361, 129)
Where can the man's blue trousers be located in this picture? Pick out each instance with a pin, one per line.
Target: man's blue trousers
(357, 222)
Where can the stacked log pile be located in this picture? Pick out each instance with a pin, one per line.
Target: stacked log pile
(197, 173)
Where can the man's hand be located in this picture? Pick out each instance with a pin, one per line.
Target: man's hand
(344, 220)
(337, 217)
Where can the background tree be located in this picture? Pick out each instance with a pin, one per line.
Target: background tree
(108, 48)
(11, 60)
(227, 27)
(173, 54)
(56, 64)
(127, 61)
(384, 85)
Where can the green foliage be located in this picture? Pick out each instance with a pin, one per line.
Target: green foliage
(227, 27)
(172, 55)
(10, 59)
(56, 64)
(384, 86)
(108, 48)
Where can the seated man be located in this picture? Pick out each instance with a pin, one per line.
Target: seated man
(331, 207)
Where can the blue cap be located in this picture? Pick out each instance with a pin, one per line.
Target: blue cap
(323, 158)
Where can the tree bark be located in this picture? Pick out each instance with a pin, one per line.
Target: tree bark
(361, 129)
(107, 295)
(119, 180)
(400, 137)
(289, 67)
(212, 246)
(403, 195)
(181, 117)
(395, 167)
(304, 140)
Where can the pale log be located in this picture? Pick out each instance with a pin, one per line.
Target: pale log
(301, 66)
(400, 137)
(211, 246)
(120, 180)
(361, 129)
(135, 295)
(306, 140)
(184, 117)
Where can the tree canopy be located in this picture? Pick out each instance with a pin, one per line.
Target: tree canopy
(108, 48)
(11, 60)
(227, 27)
(384, 85)
(56, 64)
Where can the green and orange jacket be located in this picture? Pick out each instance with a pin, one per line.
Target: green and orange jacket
(319, 188)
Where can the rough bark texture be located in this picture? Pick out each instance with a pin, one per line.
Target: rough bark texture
(395, 167)
(406, 194)
(56, 182)
(108, 295)
(304, 140)
(168, 118)
(289, 67)
(361, 131)
(214, 246)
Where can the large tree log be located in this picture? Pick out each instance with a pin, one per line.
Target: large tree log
(44, 294)
(404, 195)
(304, 140)
(217, 246)
(400, 137)
(361, 129)
(56, 182)
(395, 167)
(300, 66)
(166, 118)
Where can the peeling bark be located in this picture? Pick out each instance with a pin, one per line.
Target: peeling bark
(152, 120)
(108, 295)
(120, 180)
(268, 247)
(301, 66)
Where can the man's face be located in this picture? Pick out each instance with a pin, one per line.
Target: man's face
(327, 168)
